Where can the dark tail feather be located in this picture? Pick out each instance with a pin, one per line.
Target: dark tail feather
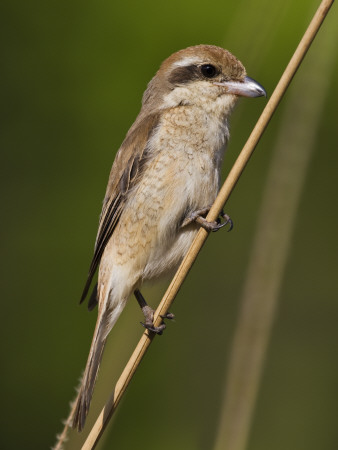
(85, 394)
(93, 300)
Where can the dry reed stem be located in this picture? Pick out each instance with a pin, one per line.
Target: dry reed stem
(202, 235)
(295, 143)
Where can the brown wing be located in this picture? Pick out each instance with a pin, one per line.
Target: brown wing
(125, 173)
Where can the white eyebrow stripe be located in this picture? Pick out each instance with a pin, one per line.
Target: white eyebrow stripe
(188, 61)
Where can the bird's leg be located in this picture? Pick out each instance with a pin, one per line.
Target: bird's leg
(148, 313)
(198, 217)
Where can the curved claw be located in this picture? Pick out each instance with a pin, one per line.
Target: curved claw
(227, 220)
(217, 225)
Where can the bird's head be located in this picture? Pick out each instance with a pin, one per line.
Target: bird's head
(203, 75)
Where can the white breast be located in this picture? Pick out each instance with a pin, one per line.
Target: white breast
(187, 171)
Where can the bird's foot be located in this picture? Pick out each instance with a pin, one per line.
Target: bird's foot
(148, 313)
(149, 320)
(151, 327)
(198, 217)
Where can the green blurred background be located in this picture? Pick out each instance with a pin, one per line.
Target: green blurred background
(73, 76)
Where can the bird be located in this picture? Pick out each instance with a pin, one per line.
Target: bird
(163, 181)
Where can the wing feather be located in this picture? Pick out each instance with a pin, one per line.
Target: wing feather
(125, 174)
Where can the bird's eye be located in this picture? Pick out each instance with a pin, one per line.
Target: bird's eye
(208, 70)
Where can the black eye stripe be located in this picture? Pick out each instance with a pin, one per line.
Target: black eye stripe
(186, 74)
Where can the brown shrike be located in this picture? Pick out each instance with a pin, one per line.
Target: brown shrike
(164, 179)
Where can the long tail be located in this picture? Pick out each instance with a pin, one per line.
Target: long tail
(107, 317)
(80, 406)
(82, 402)
(105, 322)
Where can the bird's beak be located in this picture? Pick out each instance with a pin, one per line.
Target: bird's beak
(246, 88)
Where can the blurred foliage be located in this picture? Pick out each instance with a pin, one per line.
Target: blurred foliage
(72, 79)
